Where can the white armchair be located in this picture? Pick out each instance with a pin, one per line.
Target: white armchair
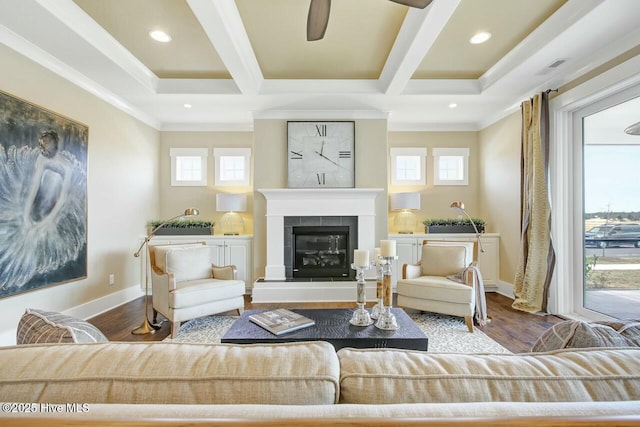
(426, 287)
(187, 285)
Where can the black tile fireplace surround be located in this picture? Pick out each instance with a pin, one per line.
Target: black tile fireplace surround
(326, 255)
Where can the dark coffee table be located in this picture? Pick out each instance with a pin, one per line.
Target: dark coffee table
(332, 325)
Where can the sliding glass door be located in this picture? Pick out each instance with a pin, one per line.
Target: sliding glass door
(611, 207)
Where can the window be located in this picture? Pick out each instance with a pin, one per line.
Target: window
(408, 166)
(189, 166)
(232, 166)
(451, 166)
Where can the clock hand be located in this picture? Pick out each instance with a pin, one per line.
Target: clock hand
(325, 157)
(322, 148)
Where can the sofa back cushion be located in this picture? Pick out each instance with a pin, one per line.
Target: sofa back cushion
(385, 376)
(170, 373)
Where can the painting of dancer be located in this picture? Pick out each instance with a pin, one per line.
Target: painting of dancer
(43, 197)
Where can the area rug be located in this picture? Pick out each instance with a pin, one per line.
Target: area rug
(447, 334)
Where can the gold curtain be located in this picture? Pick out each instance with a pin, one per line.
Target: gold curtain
(537, 256)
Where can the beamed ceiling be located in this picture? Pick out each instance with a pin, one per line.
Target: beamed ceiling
(236, 61)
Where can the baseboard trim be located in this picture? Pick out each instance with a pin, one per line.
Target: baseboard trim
(105, 303)
(506, 289)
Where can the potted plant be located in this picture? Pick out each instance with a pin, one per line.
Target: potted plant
(183, 227)
(453, 225)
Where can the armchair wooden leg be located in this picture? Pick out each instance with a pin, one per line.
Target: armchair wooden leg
(469, 322)
(240, 311)
(175, 327)
(155, 316)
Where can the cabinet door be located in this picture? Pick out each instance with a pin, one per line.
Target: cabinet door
(238, 254)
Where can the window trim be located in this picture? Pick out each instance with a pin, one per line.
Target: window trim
(203, 153)
(219, 153)
(395, 152)
(458, 152)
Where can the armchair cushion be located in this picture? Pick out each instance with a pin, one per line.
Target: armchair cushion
(192, 263)
(196, 292)
(438, 288)
(443, 260)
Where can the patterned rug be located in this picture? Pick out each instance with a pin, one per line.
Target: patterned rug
(447, 334)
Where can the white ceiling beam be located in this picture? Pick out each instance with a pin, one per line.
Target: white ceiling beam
(197, 87)
(442, 87)
(77, 20)
(311, 86)
(223, 25)
(419, 31)
(567, 16)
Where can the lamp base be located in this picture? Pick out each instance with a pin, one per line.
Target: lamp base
(231, 234)
(405, 232)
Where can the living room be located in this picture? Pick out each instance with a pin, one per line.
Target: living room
(128, 179)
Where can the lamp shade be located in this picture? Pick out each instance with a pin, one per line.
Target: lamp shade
(402, 201)
(231, 202)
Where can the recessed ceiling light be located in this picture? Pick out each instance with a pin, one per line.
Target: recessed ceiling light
(187, 106)
(453, 105)
(160, 36)
(480, 37)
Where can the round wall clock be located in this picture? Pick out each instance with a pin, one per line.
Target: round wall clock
(321, 154)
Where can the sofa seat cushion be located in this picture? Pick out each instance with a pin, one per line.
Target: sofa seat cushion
(171, 373)
(436, 288)
(580, 334)
(386, 376)
(198, 292)
(37, 326)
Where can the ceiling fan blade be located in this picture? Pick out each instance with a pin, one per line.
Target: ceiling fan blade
(420, 4)
(318, 19)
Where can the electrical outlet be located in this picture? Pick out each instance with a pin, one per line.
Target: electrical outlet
(112, 279)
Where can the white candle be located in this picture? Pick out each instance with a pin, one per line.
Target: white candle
(388, 248)
(361, 258)
(376, 255)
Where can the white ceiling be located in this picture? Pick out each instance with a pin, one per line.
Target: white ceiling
(236, 61)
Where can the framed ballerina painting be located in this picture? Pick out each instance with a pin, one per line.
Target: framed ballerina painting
(43, 197)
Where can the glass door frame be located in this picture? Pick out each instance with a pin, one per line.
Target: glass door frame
(614, 86)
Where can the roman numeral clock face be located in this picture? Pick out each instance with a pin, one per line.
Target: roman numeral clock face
(321, 154)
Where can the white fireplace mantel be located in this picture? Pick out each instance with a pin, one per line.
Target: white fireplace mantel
(360, 202)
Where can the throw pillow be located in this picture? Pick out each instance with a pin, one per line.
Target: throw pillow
(37, 326)
(580, 334)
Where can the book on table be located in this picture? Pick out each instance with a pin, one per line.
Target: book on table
(281, 321)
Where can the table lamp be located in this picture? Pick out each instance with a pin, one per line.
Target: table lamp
(405, 220)
(231, 222)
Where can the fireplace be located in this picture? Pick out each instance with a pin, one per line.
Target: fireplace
(321, 251)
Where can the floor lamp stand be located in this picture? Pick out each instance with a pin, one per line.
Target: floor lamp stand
(146, 327)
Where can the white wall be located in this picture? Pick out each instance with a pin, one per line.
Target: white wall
(500, 188)
(435, 200)
(122, 191)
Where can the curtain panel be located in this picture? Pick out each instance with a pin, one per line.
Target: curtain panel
(537, 257)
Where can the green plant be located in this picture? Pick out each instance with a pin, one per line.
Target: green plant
(185, 223)
(480, 223)
(590, 265)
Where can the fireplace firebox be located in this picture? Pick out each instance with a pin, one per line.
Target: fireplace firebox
(321, 251)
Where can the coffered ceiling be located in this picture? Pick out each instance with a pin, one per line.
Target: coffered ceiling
(236, 61)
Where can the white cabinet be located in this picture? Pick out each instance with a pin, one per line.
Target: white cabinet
(409, 251)
(225, 250)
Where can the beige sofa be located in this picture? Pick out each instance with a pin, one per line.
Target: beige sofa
(310, 384)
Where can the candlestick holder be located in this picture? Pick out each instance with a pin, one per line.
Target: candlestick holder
(360, 316)
(386, 319)
(377, 309)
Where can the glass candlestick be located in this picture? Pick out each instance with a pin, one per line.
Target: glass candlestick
(377, 309)
(386, 319)
(360, 316)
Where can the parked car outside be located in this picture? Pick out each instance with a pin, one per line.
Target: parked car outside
(609, 235)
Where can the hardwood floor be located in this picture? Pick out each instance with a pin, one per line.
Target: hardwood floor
(515, 330)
